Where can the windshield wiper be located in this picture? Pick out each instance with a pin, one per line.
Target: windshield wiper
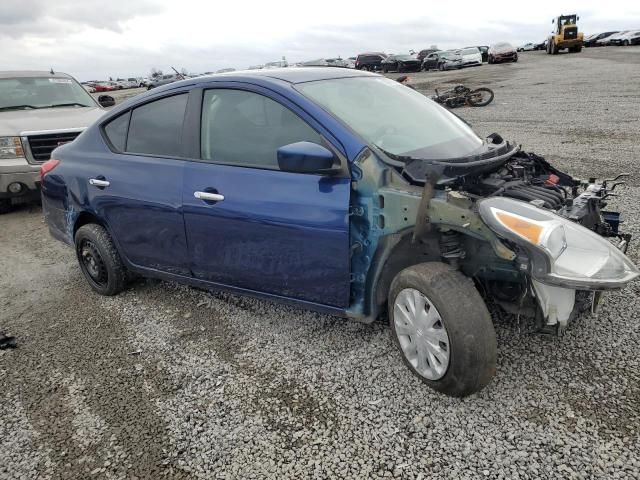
(72, 104)
(18, 107)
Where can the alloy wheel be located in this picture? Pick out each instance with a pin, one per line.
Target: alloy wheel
(421, 333)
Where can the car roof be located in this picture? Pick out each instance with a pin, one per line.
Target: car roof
(290, 75)
(32, 73)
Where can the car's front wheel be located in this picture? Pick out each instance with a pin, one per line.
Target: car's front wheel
(99, 260)
(442, 328)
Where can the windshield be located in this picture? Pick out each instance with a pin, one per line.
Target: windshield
(450, 55)
(37, 92)
(405, 57)
(394, 118)
(470, 51)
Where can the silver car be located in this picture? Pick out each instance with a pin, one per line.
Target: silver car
(38, 112)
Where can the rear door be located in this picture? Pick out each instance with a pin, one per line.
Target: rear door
(137, 189)
(270, 231)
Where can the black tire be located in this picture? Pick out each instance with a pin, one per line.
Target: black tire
(464, 315)
(99, 260)
(441, 67)
(490, 60)
(385, 70)
(481, 103)
(625, 43)
(5, 206)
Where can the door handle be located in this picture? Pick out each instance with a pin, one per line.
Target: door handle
(208, 196)
(98, 183)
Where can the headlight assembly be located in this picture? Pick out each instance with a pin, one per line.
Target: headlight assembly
(10, 147)
(562, 252)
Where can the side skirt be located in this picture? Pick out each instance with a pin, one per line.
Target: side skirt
(194, 282)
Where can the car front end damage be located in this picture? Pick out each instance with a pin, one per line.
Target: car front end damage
(537, 242)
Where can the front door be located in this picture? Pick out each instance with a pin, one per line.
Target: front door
(255, 227)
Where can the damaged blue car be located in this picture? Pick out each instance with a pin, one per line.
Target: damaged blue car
(343, 192)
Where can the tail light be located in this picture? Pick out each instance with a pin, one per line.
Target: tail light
(47, 166)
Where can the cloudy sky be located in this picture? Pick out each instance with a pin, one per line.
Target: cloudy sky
(95, 39)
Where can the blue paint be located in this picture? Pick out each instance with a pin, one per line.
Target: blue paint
(296, 237)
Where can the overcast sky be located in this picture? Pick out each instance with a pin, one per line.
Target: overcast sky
(95, 39)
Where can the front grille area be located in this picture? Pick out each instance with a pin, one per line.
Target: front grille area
(41, 146)
(570, 33)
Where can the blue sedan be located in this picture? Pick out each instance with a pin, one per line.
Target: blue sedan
(332, 189)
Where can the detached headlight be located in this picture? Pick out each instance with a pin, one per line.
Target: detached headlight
(562, 252)
(10, 147)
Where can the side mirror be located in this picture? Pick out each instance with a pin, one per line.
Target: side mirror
(306, 157)
(106, 101)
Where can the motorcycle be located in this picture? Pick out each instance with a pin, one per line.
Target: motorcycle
(461, 95)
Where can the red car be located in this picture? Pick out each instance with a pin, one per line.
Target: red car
(103, 87)
(502, 52)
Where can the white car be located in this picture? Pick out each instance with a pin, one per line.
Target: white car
(526, 47)
(471, 57)
(630, 38)
(610, 38)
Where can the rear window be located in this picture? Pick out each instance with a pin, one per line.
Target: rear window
(370, 58)
(470, 51)
(156, 127)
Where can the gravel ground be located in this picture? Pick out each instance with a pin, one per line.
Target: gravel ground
(165, 381)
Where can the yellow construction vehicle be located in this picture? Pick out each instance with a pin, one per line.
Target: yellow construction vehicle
(565, 35)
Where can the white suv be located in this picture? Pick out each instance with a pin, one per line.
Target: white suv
(38, 112)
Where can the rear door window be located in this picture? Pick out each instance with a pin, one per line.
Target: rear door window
(116, 131)
(156, 127)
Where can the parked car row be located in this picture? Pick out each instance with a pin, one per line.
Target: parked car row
(93, 86)
(613, 37)
(618, 38)
(433, 59)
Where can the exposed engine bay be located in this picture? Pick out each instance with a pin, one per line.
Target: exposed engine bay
(530, 178)
(473, 208)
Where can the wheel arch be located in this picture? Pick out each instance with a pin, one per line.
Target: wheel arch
(395, 252)
(87, 217)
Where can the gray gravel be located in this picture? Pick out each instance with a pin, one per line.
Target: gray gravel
(164, 381)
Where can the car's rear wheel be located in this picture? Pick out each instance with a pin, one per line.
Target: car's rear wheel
(99, 260)
(442, 328)
(625, 43)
